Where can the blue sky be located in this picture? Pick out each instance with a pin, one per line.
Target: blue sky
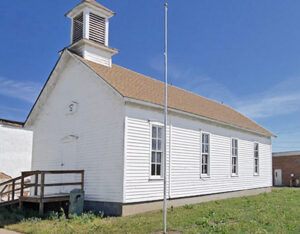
(245, 54)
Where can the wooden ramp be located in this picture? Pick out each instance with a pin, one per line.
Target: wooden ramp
(21, 189)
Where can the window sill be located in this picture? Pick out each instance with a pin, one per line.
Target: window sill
(255, 174)
(234, 175)
(204, 176)
(156, 178)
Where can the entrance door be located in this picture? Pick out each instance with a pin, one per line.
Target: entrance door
(278, 177)
(68, 162)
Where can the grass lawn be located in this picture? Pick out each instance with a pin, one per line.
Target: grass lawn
(276, 212)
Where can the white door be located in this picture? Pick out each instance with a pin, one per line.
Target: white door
(278, 177)
(68, 162)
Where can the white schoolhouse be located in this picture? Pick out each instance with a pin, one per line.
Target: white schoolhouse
(108, 120)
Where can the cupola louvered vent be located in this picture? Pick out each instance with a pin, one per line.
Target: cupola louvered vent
(78, 28)
(97, 28)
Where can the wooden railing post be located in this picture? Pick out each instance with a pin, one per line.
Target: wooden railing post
(13, 190)
(22, 185)
(41, 210)
(36, 181)
(42, 184)
(82, 180)
(8, 193)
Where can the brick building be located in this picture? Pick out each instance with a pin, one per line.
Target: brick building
(286, 167)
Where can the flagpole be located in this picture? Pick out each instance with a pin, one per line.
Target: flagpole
(165, 117)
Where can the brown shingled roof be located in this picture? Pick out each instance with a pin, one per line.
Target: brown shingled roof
(11, 123)
(137, 86)
(3, 176)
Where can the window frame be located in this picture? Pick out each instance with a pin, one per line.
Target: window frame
(156, 177)
(236, 156)
(203, 175)
(254, 158)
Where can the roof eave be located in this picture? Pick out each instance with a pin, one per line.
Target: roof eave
(132, 100)
(94, 44)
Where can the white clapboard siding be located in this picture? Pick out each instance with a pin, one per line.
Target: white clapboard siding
(98, 124)
(137, 164)
(185, 161)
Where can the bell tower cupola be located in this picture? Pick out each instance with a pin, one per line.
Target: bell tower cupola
(90, 32)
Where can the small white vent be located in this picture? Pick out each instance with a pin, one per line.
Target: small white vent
(97, 28)
(78, 28)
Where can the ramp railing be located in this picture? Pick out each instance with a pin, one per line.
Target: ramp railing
(12, 190)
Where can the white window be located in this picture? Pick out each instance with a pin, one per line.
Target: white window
(205, 154)
(156, 151)
(256, 159)
(234, 157)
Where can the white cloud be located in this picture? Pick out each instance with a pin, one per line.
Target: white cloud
(25, 91)
(280, 99)
(192, 80)
(12, 113)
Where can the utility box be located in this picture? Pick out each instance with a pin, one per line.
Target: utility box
(76, 202)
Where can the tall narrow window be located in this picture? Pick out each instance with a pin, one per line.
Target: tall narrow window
(156, 151)
(256, 159)
(234, 157)
(205, 154)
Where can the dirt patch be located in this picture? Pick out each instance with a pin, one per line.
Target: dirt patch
(4, 231)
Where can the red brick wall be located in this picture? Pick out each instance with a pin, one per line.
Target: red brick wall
(288, 165)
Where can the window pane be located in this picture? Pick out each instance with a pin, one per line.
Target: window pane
(153, 157)
(235, 151)
(234, 169)
(205, 138)
(232, 151)
(154, 132)
(159, 157)
(204, 169)
(153, 144)
(159, 132)
(159, 144)
(206, 148)
(152, 169)
(255, 146)
(158, 169)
